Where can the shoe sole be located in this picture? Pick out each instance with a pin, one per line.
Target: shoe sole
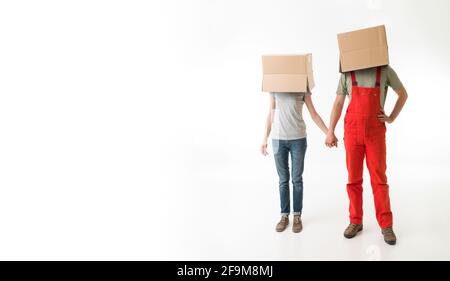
(281, 230)
(390, 242)
(351, 236)
(297, 231)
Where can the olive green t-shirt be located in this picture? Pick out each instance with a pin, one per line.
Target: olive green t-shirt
(367, 78)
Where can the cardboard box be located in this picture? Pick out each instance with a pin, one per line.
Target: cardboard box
(363, 48)
(287, 73)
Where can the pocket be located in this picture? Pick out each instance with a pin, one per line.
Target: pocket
(350, 124)
(348, 120)
(376, 127)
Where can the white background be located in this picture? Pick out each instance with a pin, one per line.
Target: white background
(131, 129)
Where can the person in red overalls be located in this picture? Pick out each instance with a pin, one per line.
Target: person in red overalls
(364, 137)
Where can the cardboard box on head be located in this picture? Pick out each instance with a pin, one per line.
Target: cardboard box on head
(287, 73)
(364, 48)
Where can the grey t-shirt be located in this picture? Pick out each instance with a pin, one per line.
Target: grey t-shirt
(288, 121)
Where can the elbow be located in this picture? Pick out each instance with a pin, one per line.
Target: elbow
(313, 113)
(338, 107)
(314, 116)
(403, 94)
(339, 104)
(404, 97)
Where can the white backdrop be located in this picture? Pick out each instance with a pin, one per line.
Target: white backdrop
(131, 129)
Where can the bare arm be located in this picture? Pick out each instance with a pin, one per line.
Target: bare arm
(331, 139)
(401, 100)
(268, 125)
(314, 115)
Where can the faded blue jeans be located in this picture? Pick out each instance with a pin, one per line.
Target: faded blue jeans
(297, 149)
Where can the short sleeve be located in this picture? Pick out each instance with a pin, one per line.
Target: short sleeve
(392, 79)
(342, 86)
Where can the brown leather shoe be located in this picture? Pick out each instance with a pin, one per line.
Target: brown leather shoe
(389, 235)
(297, 226)
(352, 229)
(282, 224)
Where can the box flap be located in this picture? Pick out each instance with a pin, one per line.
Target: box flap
(309, 72)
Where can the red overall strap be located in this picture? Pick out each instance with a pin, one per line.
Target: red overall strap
(354, 82)
(377, 83)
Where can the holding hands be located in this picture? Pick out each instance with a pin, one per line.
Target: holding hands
(331, 139)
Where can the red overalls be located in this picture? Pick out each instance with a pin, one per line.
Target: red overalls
(364, 136)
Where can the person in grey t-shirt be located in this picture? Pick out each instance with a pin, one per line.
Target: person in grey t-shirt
(288, 129)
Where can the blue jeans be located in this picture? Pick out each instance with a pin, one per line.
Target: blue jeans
(281, 149)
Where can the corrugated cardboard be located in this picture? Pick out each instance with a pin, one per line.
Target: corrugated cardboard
(363, 48)
(287, 73)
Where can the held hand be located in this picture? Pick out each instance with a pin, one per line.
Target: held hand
(331, 140)
(264, 149)
(384, 118)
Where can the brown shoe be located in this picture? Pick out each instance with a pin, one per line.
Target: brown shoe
(389, 235)
(297, 226)
(352, 229)
(282, 224)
